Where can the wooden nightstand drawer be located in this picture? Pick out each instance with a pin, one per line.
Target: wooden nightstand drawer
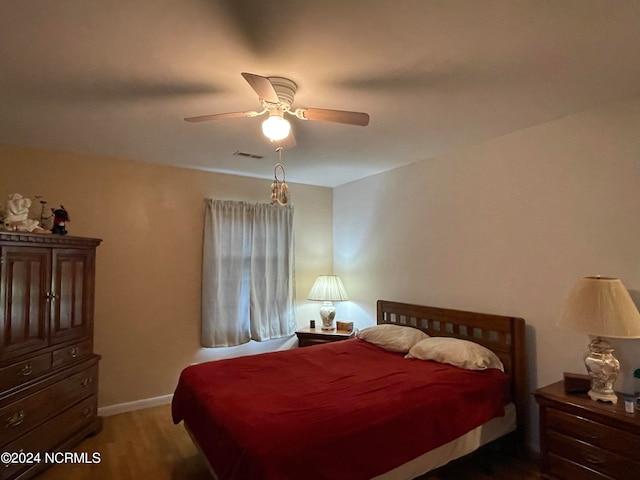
(584, 439)
(564, 468)
(315, 336)
(308, 342)
(594, 433)
(592, 457)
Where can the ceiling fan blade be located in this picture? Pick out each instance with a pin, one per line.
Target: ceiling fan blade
(217, 116)
(338, 116)
(262, 87)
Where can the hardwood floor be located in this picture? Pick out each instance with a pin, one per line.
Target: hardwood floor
(137, 445)
(506, 468)
(146, 444)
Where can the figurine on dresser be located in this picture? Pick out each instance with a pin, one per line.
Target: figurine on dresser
(16, 215)
(60, 217)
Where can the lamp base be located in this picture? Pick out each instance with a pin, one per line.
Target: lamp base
(603, 397)
(603, 369)
(327, 314)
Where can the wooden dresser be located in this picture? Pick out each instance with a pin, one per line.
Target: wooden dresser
(48, 371)
(584, 439)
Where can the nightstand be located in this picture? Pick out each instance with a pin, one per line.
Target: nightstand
(584, 439)
(316, 336)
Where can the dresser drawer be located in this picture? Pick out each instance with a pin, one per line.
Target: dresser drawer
(51, 434)
(603, 436)
(71, 353)
(595, 458)
(21, 372)
(21, 416)
(567, 470)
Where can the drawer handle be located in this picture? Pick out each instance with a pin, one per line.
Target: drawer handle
(593, 434)
(51, 296)
(26, 370)
(74, 352)
(15, 419)
(86, 382)
(87, 412)
(594, 459)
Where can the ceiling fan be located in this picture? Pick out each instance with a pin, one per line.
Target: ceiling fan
(276, 95)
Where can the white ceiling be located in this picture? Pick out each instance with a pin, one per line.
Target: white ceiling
(117, 77)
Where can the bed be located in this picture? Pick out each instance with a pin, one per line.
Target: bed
(353, 409)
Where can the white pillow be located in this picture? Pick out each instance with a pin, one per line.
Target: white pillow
(395, 338)
(457, 352)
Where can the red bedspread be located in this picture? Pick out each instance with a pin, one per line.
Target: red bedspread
(346, 410)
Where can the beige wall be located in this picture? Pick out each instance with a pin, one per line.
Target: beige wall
(150, 218)
(506, 227)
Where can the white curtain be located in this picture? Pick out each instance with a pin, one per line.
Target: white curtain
(248, 284)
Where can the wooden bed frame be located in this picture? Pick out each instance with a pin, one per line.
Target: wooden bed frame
(503, 335)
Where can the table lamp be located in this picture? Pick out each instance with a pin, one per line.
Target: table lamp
(328, 289)
(601, 307)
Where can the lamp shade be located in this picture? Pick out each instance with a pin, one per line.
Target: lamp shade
(328, 288)
(602, 307)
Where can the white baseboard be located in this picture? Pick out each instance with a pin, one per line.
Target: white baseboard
(137, 405)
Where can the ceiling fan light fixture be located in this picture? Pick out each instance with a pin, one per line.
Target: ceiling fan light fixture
(276, 128)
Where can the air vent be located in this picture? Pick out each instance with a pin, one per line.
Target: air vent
(248, 155)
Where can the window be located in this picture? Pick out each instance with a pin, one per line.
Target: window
(248, 281)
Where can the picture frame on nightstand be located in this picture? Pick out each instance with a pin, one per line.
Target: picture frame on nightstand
(576, 382)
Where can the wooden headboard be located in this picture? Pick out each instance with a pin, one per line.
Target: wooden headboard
(503, 335)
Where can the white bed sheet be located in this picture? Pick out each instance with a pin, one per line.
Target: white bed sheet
(457, 448)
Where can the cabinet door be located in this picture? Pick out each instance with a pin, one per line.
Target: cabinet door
(25, 282)
(72, 288)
